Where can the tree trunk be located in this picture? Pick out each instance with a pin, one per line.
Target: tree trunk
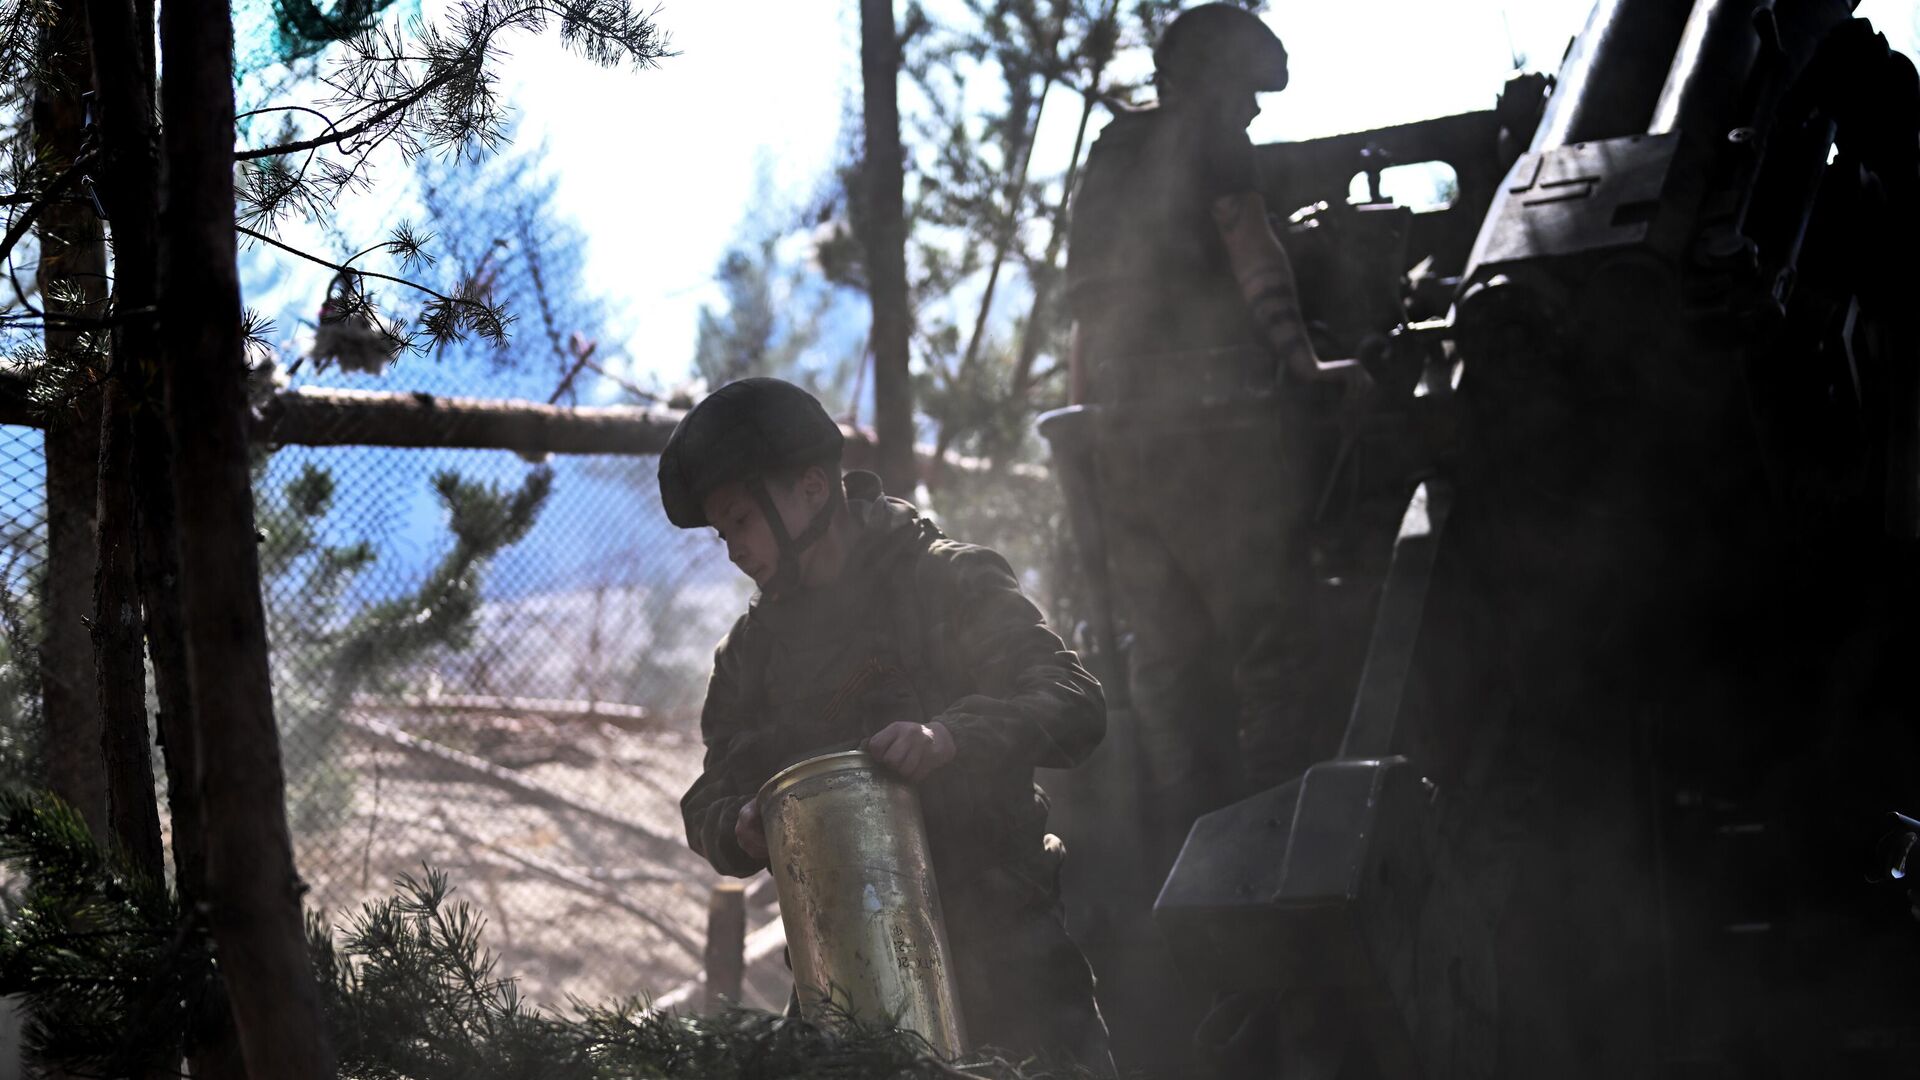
(884, 177)
(73, 262)
(253, 893)
(160, 600)
(130, 178)
(123, 54)
(118, 659)
(122, 36)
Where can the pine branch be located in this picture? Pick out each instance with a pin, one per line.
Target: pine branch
(604, 31)
(17, 229)
(116, 982)
(446, 318)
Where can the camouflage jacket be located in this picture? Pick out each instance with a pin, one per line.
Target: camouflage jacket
(921, 628)
(1147, 271)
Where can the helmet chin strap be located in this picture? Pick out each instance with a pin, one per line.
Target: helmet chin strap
(787, 575)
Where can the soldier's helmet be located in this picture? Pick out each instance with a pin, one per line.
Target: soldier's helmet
(1221, 45)
(743, 431)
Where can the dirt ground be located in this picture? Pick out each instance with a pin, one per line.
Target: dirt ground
(576, 907)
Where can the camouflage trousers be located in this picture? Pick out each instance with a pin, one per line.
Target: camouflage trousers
(1025, 987)
(1205, 534)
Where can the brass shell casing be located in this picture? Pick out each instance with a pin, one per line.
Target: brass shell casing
(848, 852)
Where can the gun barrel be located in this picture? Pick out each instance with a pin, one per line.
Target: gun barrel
(1613, 74)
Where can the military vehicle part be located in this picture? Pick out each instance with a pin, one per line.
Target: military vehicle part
(1320, 882)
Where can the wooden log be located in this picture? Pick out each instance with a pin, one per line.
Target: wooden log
(311, 416)
(578, 882)
(653, 845)
(726, 961)
(315, 416)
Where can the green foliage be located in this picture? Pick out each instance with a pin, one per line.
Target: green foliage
(301, 29)
(500, 216)
(115, 979)
(423, 88)
(22, 722)
(411, 992)
(323, 656)
(58, 378)
(111, 975)
(750, 336)
(440, 613)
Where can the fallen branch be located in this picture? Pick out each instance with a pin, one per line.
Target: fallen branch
(653, 845)
(629, 717)
(579, 883)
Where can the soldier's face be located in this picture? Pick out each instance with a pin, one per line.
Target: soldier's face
(737, 518)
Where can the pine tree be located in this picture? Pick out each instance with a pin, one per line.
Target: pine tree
(977, 213)
(980, 220)
(499, 215)
(768, 323)
(881, 197)
(177, 528)
(407, 988)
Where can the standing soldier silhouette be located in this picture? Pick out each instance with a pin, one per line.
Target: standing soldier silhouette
(1188, 334)
(872, 628)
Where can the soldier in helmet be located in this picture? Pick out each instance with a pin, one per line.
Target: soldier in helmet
(870, 627)
(1188, 332)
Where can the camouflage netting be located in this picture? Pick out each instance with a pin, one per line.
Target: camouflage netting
(271, 33)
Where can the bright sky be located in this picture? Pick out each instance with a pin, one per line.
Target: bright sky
(662, 165)
(664, 162)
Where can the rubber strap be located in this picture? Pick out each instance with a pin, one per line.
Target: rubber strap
(787, 575)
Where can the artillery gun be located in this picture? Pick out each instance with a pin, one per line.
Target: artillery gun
(1628, 678)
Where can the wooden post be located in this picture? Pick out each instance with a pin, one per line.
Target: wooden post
(726, 945)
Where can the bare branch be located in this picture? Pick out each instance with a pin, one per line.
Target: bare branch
(344, 268)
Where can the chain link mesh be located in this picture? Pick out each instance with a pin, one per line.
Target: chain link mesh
(23, 557)
(524, 716)
(535, 746)
(539, 752)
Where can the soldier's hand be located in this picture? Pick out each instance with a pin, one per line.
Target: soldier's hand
(910, 749)
(747, 829)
